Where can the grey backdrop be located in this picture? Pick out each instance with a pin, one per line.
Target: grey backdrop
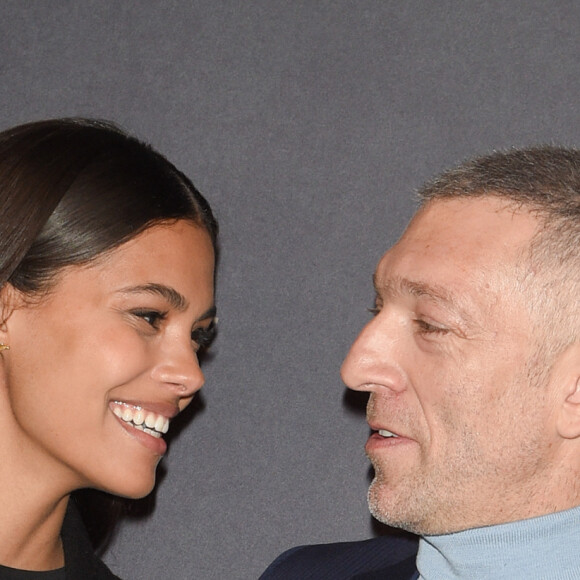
(307, 124)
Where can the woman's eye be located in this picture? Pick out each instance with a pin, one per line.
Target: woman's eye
(203, 337)
(152, 317)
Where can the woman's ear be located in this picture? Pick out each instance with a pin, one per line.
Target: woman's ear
(566, 372)
(10, 300)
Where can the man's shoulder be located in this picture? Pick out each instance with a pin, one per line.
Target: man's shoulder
(347, 560)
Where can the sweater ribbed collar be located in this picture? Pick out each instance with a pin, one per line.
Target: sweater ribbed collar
(534, 549)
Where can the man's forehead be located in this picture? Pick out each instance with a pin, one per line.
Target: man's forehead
(486, 222)
(453, 247)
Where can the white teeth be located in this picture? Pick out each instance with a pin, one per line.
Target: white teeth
(160, 424)
(385, 433)
(150, 419)
(138, 417)
(147, 421)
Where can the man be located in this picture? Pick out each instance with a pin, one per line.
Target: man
(472, 362)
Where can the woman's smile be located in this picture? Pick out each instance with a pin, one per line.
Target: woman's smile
(152, 423)
(146, 426)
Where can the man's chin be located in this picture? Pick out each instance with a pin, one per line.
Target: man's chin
(395, 512)
(411, 512)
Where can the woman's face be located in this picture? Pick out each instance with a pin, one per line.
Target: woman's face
(98, 368)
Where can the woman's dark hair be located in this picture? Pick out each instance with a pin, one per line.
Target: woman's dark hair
(70, 190)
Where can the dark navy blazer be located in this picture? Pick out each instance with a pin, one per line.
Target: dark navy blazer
(383, 558)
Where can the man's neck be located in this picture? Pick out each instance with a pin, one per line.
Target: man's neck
(538, 548)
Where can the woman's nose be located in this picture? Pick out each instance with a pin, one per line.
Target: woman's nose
(180, 370)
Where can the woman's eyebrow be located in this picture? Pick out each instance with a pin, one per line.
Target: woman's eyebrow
(173, 297)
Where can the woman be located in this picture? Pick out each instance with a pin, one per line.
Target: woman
(107, 257)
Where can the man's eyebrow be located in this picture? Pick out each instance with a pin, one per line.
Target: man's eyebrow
(173, 297)
(404, 286)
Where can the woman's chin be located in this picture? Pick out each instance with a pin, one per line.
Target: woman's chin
(135, 488)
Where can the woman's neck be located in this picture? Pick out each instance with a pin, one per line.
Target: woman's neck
(33, 504)
(30, 534)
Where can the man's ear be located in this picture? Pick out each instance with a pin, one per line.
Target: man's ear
(566, 372)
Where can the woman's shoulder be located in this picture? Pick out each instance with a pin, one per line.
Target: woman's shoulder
(80, 558)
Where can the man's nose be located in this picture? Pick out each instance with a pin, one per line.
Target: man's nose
(374, 360)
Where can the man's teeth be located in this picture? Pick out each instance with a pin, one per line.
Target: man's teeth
(385, 433)
(147, 421)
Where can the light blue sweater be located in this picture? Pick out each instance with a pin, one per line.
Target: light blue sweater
(542, 548)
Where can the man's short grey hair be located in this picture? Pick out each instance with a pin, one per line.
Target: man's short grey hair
(545, 181)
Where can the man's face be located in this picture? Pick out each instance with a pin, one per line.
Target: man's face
(447, 360)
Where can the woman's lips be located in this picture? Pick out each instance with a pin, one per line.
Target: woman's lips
(155, 424)
(144, 425)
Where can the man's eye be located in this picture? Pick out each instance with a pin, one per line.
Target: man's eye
(428, 328)
(152, 317)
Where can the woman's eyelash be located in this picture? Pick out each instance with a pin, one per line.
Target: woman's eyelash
(151, 317)
(203, 337)
(374, 310)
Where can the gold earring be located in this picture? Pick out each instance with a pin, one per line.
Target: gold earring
(4, 346)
